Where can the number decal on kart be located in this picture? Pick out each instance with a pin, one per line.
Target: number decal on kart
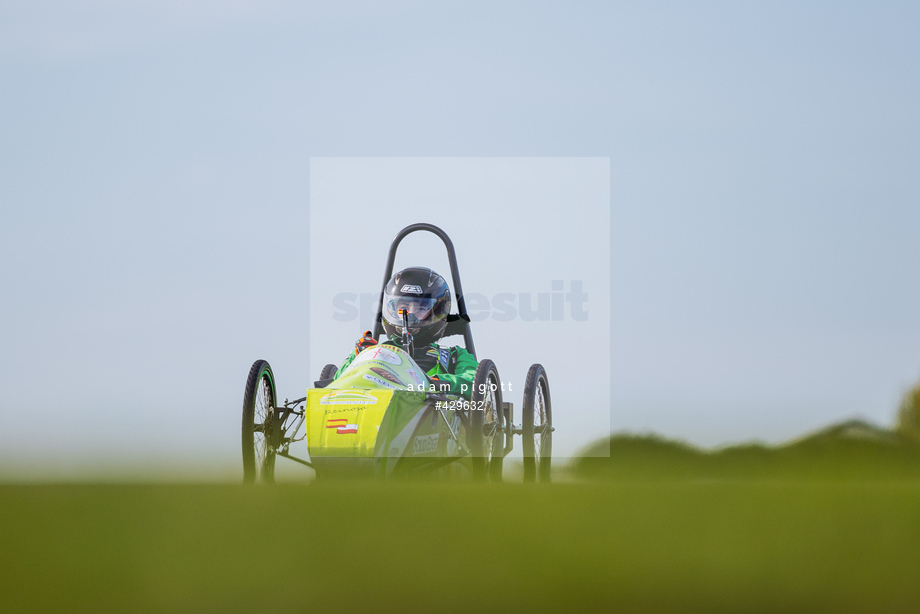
(459, 405)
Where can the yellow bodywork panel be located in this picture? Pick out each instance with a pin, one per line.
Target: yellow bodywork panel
(345, 422)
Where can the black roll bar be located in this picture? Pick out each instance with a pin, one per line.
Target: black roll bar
(456, 324)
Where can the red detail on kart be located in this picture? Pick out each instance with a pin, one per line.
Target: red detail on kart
(341, 426)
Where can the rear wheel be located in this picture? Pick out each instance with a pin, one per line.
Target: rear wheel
(485, 436)
(537, 416)
(261, 429)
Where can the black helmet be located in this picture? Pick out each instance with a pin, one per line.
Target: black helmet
(425, 296)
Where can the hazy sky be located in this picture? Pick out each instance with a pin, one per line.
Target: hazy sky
(155, 187)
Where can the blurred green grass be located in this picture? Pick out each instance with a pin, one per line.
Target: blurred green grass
(682, 545)
(834, 455)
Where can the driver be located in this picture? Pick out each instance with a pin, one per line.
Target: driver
(425, 298)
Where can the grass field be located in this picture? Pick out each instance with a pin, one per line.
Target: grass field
(631, 458)
(605, 545)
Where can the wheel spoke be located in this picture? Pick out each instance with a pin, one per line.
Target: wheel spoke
(493, 420)
(265, 413)
(539, 419)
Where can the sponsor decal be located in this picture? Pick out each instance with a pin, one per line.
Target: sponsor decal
(378, 353)
(390, 377)
(445, 358)
(426, 444)
(348, 397)
(414, 375)
(380, 382)
(412, 289)
(341, 426)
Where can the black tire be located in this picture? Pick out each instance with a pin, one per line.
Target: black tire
(537, 418)
(261, 431)
(485, 437)
(328, 372)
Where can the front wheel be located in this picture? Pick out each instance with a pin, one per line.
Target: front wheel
(485, 436)
(261, 430)
(328, 372)
(537, 416)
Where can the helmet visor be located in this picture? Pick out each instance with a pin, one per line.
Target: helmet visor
(418, 310)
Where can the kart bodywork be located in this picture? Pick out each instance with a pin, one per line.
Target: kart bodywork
(383, 417)
(381, 409)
